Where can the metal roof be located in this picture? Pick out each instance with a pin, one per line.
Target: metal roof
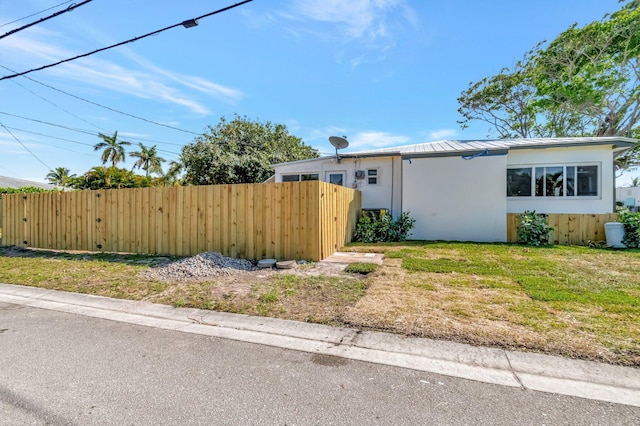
(8, 182)
(457, 147)
(450, 148)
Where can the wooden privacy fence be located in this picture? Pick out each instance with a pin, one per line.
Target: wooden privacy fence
(294, 220)
(568, 229)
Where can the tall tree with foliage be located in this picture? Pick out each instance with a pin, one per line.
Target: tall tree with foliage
(102, 177)
(60, 176)
(240, 151)
(148, 159)
(583, 83)
(112, 149)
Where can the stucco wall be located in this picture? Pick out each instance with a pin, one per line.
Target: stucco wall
(455, 199)
(386, 194)
(600, 155)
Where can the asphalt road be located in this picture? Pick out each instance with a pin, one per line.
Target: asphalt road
(66, 369)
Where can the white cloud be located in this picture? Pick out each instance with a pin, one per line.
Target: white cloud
(357, 18)
(370, 24)
(373, 139)
(442, 134)
(152, 83)
(133, 135)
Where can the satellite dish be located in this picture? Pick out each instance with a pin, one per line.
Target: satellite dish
(338, 143)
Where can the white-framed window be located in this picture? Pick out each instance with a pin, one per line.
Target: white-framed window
(300, 177)
(336, 178)
(372, 176)
(577, 180)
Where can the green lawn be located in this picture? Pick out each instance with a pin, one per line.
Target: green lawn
(572, 301)
(575, 301)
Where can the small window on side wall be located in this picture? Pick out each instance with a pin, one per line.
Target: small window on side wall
(372, 176)
(290, 178)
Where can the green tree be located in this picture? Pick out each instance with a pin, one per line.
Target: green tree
(102, 177)
(583, 83)
(60, 176)
(148, 159)
(172, 176)
(240, 151)
(113, 149)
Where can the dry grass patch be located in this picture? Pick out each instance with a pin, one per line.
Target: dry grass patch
(569, 301)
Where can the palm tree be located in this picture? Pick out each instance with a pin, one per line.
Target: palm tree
(635, 181)
(98, 178)
(60, 176)
(172, 176)
(148, 159)
(113, 148)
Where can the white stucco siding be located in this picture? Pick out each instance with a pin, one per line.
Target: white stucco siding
(602, 156)
(455, 199)
(384, 194)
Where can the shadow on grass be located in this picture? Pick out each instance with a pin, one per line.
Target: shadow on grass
(125, 258)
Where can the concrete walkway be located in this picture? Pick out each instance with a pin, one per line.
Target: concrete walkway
(508, 368)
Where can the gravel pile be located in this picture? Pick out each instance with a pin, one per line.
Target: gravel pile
(203, 265)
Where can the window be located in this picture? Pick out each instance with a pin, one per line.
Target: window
(372, 176)
(553, 181)
(310, 176)
(336, 178)
(299, 177)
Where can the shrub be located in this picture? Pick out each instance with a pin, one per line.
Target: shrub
(533, 229)
(631, 223)
(25, 190)
(372, 228)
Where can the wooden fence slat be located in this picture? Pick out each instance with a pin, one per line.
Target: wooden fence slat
(575, 229)
(282, 220)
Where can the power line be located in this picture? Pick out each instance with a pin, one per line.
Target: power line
(50, 124)
(57, 106)
(187, 24)
(25, 147)
(49, 136)
(106, 107)
(84, 131)
(58, 13)
(34, 14)
(71, 140)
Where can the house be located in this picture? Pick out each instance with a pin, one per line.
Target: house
(8, 182)
(463, 190)
(629, 197)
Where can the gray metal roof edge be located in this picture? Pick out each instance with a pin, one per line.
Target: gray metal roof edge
(472, 152)
(307, 160)
(364, 154)
(616, 141)
(622, 142)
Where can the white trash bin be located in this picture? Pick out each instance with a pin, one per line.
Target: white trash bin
(614, 232)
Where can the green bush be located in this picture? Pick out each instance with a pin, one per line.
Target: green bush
(373, 228)
(25, 190)
(533, 229)
(631, 223)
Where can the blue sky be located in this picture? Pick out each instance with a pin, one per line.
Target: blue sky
(381, 72)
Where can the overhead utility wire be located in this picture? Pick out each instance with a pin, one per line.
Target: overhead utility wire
(84, 131)
(34, 14)
(58, 13)
(106, 107)
(70, 140)
(25, 147)
(187, 24)
(58, 106)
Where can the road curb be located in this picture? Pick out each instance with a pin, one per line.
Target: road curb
(530, 371)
